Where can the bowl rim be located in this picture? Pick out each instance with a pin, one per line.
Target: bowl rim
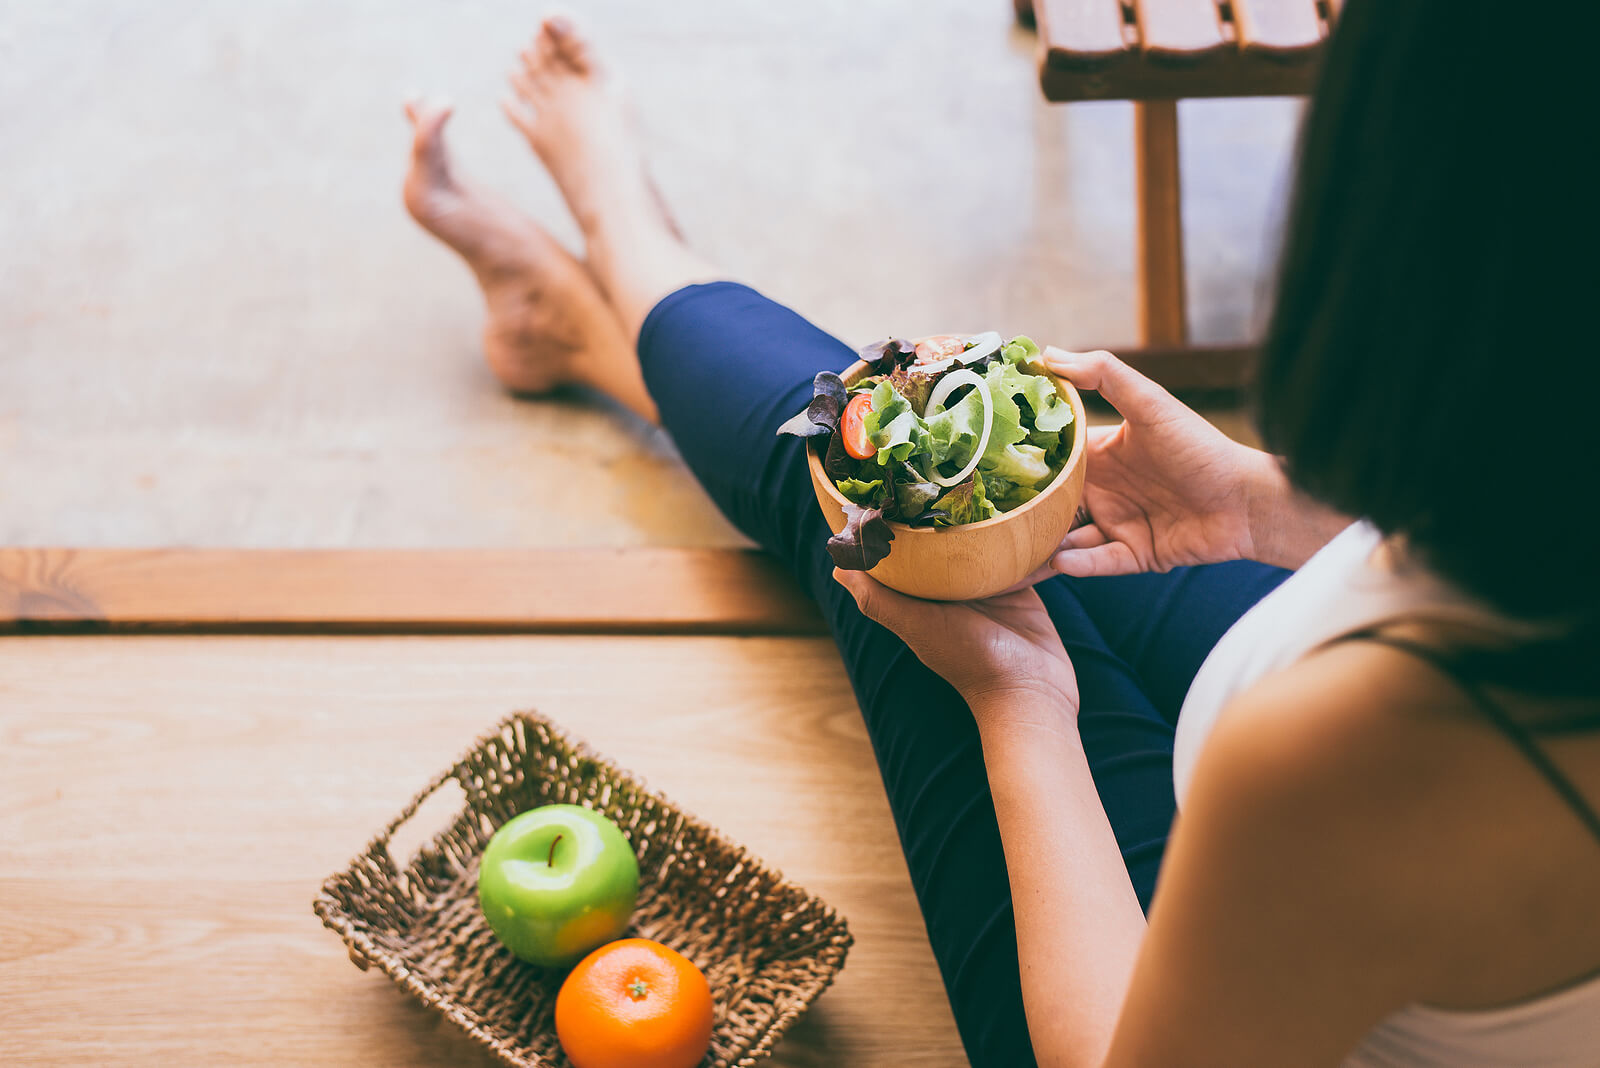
(854, 373)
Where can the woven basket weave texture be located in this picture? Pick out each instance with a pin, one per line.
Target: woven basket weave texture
(766, 946)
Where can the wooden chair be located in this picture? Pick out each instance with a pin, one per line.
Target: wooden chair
(1154, 52)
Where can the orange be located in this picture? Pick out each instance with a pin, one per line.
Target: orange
(634, 1004)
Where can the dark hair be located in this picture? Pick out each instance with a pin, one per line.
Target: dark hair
(1432, 362)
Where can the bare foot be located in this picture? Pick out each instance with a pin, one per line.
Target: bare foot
(548, 322)
(575, 116)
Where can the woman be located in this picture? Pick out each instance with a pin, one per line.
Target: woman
(1389, 852)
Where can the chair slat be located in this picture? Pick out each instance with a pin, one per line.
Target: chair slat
(1277, 27)
(1177, 49)
(1080, 32)
(1179, 28)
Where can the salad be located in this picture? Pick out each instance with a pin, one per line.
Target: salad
(949, 430)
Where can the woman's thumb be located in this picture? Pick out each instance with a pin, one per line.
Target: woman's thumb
(861, 588)
(876, 601)
(1119, 385)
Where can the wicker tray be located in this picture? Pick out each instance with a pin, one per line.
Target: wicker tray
(766, 946)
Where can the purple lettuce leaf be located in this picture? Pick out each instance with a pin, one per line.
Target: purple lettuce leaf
(863, 542)
(915, 384)
(822, 414)
(886, 355)
(837, 464)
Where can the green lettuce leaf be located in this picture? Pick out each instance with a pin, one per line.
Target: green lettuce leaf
(1008, 429)
(997, 487)
(1024, 465)
(965, 503)
(859, 491)
(1006, 494)
(954, 432)
(1058, 453)
(1019, 349)
(1048, 440)
(1050, 412)
(912, 493)
(892, 427)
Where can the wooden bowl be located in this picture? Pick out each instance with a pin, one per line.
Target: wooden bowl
(973, 560)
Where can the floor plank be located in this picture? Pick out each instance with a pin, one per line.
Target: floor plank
(638, 591)
(169, 806)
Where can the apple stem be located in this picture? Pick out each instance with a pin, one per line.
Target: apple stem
(551, 861)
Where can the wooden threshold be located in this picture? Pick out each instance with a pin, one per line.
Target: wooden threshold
(400, 591)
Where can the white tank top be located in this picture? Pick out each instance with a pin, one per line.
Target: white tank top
(1341, 590)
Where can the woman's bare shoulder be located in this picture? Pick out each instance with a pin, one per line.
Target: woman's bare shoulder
(1439, 822)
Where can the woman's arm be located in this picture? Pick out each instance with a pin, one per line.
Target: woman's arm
(1078, 921)
(1286, 526)
(1286, 919)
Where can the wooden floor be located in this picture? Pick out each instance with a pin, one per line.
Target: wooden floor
(169, 805)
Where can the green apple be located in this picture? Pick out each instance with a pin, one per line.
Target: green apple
(556, 882)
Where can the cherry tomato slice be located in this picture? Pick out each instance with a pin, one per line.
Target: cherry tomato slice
(853, 427)
(939, 348)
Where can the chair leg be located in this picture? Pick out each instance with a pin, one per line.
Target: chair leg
(1161, 300)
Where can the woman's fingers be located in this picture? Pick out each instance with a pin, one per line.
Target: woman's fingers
(1125, 389)
(1084, 537)
(1111, 558)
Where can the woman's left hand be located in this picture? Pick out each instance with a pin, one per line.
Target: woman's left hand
(990, 650)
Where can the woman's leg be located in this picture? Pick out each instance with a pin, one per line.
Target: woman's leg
(1163, 626)
(1136, 642)
(548, 324)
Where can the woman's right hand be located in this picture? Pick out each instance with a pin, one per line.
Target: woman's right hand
(1164, 488)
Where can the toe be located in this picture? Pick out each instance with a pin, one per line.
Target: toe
(527, 91)
(544, 45)
(533, 70)
(520, 115)
(568, 46)
(427, 142)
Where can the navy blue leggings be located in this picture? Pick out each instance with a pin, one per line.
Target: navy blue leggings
(726, 366)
